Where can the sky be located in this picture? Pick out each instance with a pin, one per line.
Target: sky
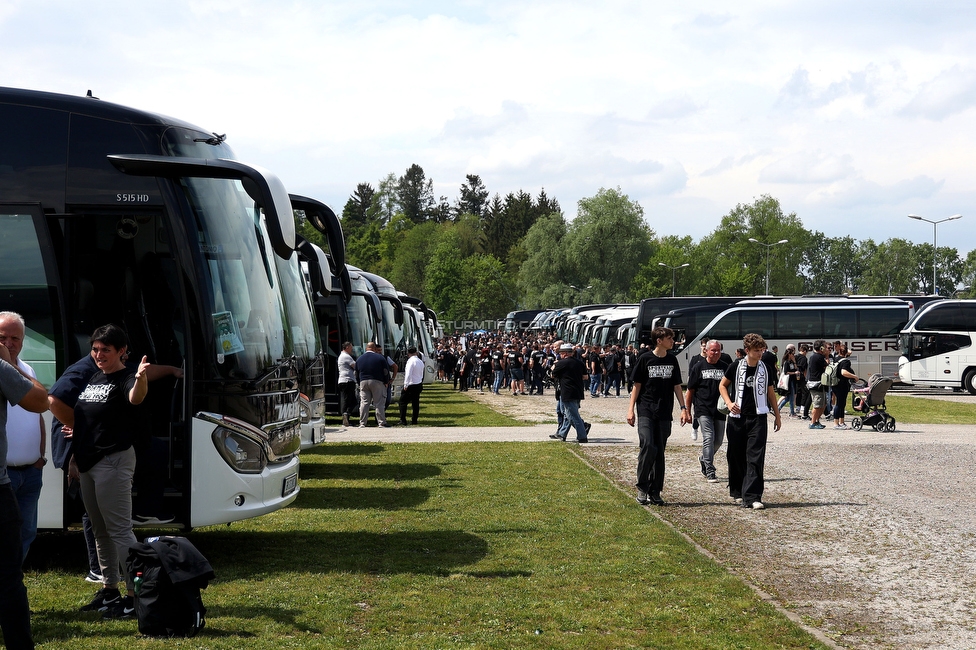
(852, 114)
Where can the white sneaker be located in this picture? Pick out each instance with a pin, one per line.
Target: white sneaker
(758, 505)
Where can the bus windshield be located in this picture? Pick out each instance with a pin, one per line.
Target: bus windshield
(248, 321)
(361, 323)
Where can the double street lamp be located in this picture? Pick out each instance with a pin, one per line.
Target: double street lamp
(768, 246)
(674, 270)
(935, 241)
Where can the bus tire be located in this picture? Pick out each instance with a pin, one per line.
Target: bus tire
(969, 382)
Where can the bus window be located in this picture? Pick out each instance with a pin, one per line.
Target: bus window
(796, 324)
(879, 322)
(947, 343)
(758, 321)
(726, 328)
(22, 280)
(838, 324)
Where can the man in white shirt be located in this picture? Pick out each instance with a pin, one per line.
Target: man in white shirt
(413, 384)
(25, 436)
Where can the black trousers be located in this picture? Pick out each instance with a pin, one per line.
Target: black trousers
(747, 456)
(347, 398)
(410, 395)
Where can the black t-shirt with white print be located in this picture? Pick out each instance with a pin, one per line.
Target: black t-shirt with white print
(657, 376)
(105, 421)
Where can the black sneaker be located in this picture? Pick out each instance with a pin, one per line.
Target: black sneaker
(655, 499)
(125, 608)
(104, 598)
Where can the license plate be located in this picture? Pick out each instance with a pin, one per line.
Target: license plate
(290, 485)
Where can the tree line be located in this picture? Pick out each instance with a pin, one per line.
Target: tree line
(478, 258)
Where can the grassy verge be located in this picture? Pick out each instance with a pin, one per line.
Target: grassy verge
(487, 545)
(921, 410)
(442, 406)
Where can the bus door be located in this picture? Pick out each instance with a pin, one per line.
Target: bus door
(29, 286)
(934, 356)
(120, 269)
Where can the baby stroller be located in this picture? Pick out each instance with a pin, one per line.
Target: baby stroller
(868, 398)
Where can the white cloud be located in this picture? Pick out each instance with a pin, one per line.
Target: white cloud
(808, 167)
(861, 192)
(802, 101)
(953, 91)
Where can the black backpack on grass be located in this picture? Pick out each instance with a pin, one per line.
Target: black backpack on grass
(168, 602)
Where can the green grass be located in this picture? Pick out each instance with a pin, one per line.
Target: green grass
(921, 410)
(441, 406)
(478, 545)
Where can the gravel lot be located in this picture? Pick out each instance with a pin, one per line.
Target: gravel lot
(867, 536)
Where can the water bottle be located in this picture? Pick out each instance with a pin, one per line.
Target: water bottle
(137, 583)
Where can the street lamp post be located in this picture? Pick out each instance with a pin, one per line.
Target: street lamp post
(579, 292)
(674, 270)
(935, 241)
(768, 246)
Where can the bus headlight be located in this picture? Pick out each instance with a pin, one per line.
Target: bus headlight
(240, 452)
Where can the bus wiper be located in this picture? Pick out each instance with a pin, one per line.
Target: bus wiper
(214, 141)
(263, 379)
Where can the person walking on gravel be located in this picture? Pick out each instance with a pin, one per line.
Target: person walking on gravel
(753, 386)
(657, 384)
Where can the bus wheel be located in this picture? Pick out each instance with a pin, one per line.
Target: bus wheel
(970, 381)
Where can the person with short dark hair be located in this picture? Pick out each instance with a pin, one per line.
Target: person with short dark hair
(413, 385)
(657, 384)
(103, 459)
(818, 393)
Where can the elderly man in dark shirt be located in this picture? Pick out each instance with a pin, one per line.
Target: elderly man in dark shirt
(373, 371)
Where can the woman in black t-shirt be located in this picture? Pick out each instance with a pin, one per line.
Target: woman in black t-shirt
(843, 388)
(104, 460)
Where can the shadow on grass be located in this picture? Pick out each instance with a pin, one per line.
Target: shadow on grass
(242, 554)
(245, 555)
(379, 472)
(350, 498)
(344, 449)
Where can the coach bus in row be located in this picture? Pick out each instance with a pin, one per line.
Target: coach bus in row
(869, 326)
(937, 346)
(112, 214)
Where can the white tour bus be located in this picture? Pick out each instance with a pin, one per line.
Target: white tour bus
(937, 346)
(869, 326)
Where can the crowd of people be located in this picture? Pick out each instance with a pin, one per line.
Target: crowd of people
(727, 399)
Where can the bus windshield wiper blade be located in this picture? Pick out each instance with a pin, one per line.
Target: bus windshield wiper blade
(263, 379)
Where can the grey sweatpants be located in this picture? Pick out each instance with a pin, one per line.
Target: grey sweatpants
(107, 492)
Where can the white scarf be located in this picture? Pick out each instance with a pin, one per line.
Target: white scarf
(760, 386)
